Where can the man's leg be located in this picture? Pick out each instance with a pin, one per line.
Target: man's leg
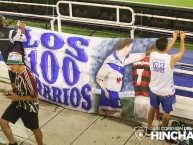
(31, 121)
(151, 115)
(38, 135)
(167, 108)
(7, 130)
(165, 119)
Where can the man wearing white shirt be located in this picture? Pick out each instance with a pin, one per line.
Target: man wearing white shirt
(161, 85)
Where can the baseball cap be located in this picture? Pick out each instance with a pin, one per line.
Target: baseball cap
(14, 58)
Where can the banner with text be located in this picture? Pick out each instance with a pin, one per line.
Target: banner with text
(91, 74)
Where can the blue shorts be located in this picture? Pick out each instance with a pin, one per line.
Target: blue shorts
(166, 102)
(112, 103)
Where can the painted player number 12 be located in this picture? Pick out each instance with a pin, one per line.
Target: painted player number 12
(139, 73)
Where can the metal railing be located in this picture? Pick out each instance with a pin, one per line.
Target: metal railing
(131, 25)
(117, 22)
(96, 21)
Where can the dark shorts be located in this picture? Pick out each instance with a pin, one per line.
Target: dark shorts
(112, 103)
(166, 102)
(12, 114)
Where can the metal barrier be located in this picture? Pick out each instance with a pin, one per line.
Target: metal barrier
(52, 18)
(117, 23)
(27, 4)
(60, 17)
(96, 21)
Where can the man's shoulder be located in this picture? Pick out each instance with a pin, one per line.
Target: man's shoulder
(30, 73)
(27, 73)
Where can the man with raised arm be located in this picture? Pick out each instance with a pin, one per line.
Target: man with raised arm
(11, 41)
(161, 84)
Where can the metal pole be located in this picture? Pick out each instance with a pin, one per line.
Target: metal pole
(59, 24)
(132, 31)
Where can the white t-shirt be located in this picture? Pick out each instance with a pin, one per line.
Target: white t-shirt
(161, 82)
(111, 72)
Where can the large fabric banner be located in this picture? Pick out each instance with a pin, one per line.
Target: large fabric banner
(91, 74)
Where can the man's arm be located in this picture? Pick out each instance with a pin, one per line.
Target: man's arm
(22, 27)
(171, 43)
(32, 86)
(19, 33)
(101, 84)
(176, 57)
(133, 57)
(14, 97)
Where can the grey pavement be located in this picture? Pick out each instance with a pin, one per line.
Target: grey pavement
(61, 126)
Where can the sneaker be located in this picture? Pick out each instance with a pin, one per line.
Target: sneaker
(148, 133)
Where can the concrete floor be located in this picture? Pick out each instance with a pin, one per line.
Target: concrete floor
(61, 126)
